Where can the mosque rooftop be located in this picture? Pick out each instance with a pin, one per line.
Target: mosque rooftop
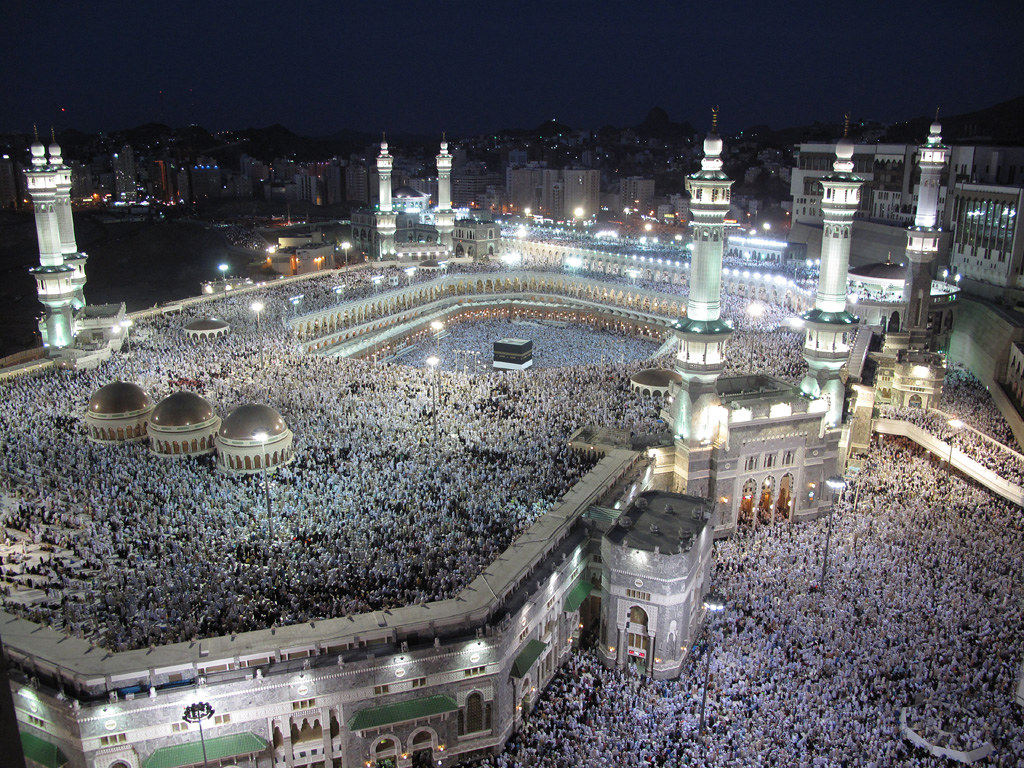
(658, 519)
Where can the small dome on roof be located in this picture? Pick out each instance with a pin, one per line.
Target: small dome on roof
(656, 377)
(182, 409)
(206, 324)
(879, 270)
(249, 420)
(407, 192)
(119, 397)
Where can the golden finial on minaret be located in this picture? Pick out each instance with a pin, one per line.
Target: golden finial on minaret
(846, 125)
(35, 130)
(714, 119)
(936, 114)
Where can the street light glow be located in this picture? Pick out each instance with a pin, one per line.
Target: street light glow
(714, 603)
(432, 361)
(256, 306)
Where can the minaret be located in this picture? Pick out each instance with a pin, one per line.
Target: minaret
(444, 216)
(826, 348)
(387, 222)
(702, 335)
(53, 277)
(65, 224)
(923, 240)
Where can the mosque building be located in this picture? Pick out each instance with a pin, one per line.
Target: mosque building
(755, 446)
(624, 555)
(405, 227)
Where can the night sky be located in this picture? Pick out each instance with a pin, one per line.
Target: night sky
(320, 67)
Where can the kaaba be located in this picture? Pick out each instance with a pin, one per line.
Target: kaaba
(514, 354)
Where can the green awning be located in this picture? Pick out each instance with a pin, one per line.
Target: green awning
(401, 712)
(577, 595)
(526, 657)
(42, 752)
(218, 748)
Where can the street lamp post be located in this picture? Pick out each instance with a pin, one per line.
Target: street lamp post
(223, 270)
(715, 605)
(126, 324)
(956, 425)
(196, 713)
(437, 327)
(257, 307)
(262, 437)
(836, 483)
(432, 361)
(344, 248)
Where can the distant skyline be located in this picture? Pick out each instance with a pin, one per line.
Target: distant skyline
(319, 67)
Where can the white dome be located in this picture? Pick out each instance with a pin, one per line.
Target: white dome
(247, 420)
(182, 409)
(119, 398)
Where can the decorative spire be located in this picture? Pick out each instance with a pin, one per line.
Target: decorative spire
(38, 150)
(935, 132)
(714, 119)
(846, 125)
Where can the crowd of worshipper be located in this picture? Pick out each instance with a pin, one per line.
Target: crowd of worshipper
(243, 236)
(964, 396)
(651, 250)
(1003, 460)
(130, 549)
(917, 615)
(968, 419)
(468, 345)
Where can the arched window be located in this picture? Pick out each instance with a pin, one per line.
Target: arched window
(474, 712)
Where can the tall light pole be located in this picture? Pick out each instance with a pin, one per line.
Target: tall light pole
(956, 426)
(432, 361)
(223, 270)
(196, 713)
(836, 484)
(126, 324)
(344, 249)
(437, 327)
(262, 437)
(714, 604)
(257, 307)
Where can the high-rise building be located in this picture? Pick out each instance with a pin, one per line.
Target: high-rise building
(637, 193)
(8, 183)
(357, 181)
(125, 188)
